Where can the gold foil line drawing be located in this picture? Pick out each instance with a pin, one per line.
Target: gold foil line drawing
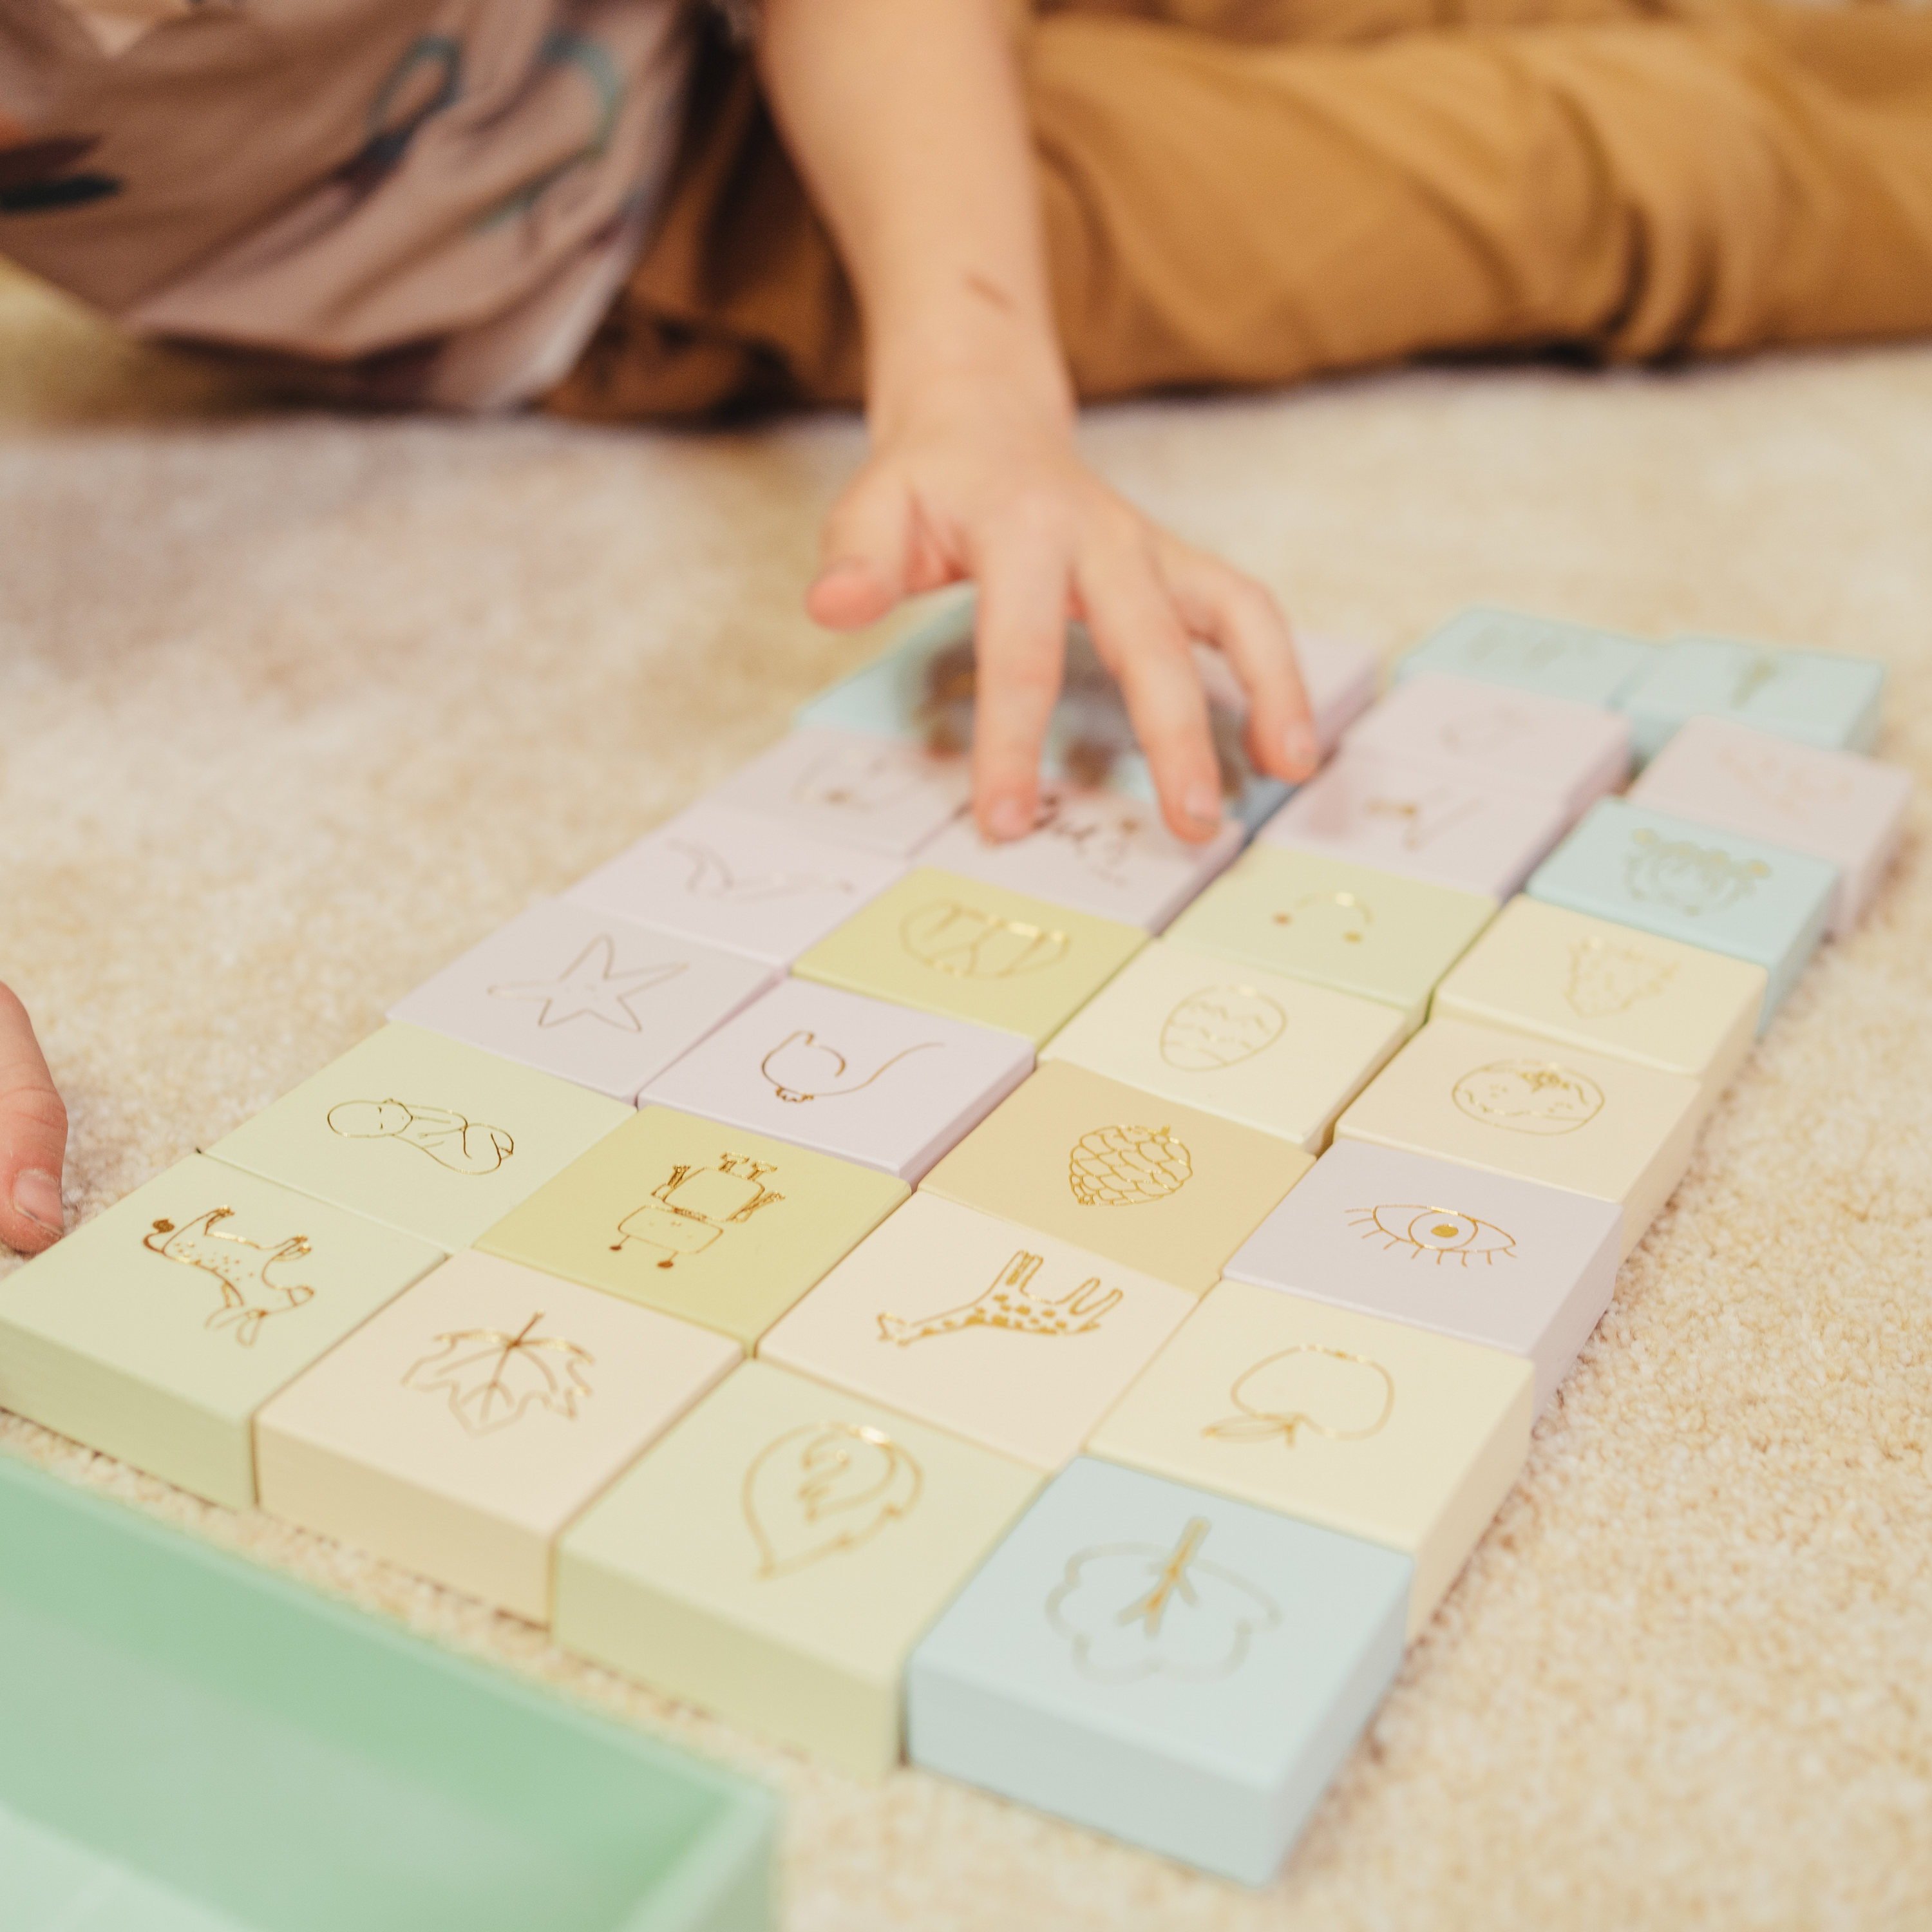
(1298, 1388)
(865, 781)
(1351, 927)
(1610, 976)
(802, 1068)
(693, 1206)
(451, 1139)
(1777, 776)
(591, 988)
(1689, 878)
(493, 1378)
(970, 944)
(1425, 819)
(241, 1266)
(1131, 1610)
(1529, 1097)
(1009, 1302)
(1101, 831)
(823, 1487)
(1127, 1167)
(713, 878)
(1446, 1233)
(1220, 1026)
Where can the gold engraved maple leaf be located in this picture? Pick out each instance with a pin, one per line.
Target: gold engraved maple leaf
(493, 1377)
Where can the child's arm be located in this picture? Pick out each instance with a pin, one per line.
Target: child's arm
(905, 117)
(33, 1136)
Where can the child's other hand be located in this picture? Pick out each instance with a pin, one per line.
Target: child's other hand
(980, 482)
(33, 1136)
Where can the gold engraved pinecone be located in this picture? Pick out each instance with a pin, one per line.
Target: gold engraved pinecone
(1121, 1167)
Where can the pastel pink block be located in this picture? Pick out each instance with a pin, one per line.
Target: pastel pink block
(884, 1085)
(1101, 852)
(1420, 822)
(1339, 676)
(885, 794)
(1831, 805)
(1488, 734)
(738, 879)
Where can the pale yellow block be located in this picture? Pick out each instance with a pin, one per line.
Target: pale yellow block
(948, 944)
(1372, 1427)
(459, 1430)
(1273, 1053)
(777, 1556)
(714, 1223)
(1163, 1188)
(1006, 1335)
(1513, 1104)
(1607, 989)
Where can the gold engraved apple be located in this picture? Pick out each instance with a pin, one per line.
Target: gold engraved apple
(1330, 1392)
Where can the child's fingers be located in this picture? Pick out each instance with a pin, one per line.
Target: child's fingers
(33, 1136)
(1219, 604)
(864, 545)
(1140, 639)
(1020, 644)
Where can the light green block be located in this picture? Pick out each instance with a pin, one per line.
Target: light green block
(424, 1134)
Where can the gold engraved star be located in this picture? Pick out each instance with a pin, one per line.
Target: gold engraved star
(590, 988)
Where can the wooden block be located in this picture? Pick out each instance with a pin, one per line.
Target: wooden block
(1351, 927)
(1510, 1104)
(1371, 1428)
(1834, 806)
(1814, 697)
(887, 794)
(1682, 880)
(458, 1430)
(741, 880)
(1608, 988)
(712, 1223)
(777, 1554)
(1398, 816)
(1149, 1184)
(154, 1331)
(1004, 1336)
(1272, 1053)
(585, 995)
(869, 1081)
(1184, 1672)
(424, 1134)
(1101, 852)
(953, 945)
(1487, 735)
(1577, 661)
(1478, 1256)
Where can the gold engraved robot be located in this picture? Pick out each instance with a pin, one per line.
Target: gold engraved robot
(691, 1209)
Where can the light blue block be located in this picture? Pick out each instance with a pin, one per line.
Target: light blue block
(921, 688)
(1811, 696)
(1180, 1670)
(1577, 661)
(1688, 881)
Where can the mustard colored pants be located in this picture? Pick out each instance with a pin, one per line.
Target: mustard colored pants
(1243, 193)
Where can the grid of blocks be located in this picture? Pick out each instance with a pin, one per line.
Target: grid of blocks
(1064, 1313)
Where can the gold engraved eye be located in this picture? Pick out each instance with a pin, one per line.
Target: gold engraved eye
(1442, 1232)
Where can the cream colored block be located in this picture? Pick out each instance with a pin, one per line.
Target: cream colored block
(1272, 1053)
(1374, 1428)
(777, 1556)
(1588, 982)
(458, 1431)
(1004, 1335)
(1513, 1104)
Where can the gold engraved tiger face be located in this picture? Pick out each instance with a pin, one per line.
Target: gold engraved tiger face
(1688, 877)
(1529, 1097)
(1442, 1233)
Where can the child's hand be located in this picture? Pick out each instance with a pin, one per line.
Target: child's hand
(33, 1136)
(982, 481)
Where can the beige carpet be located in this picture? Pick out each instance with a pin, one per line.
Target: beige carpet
(292, 709)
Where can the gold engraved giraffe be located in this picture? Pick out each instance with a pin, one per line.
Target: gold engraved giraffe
(248, 1296)
(693, 1206)
(1009, 1302)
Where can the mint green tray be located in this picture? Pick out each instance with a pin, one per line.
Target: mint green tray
(189, 1743)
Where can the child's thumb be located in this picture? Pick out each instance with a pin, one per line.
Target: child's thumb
(33, 1136)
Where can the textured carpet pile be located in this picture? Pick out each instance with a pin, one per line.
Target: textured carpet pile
(293, 708)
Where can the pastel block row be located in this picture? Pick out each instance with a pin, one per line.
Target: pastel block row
(1176, 1668)
(1580, 662)
(1269, 1052)
(1680, 880)
(1833, 804)
(1814, 697)
(1510, 1104)
(1372, 933)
